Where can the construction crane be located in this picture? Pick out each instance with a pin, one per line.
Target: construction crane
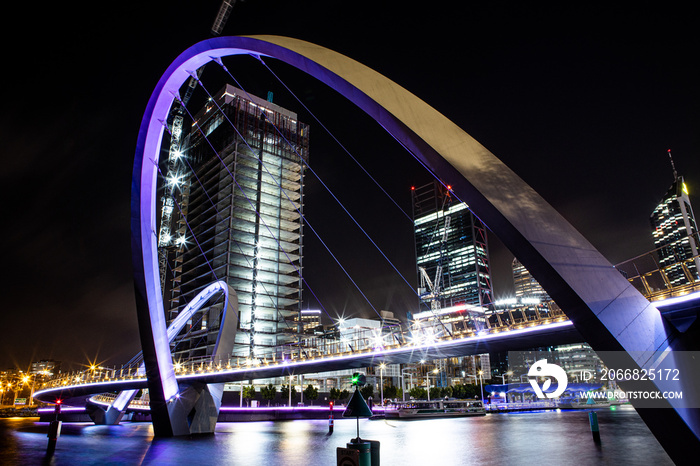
(435, 286)
(175, 177)
(222, 16)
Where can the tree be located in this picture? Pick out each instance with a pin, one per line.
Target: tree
(469, 391)
(344, 395)
(268, 393)
(367, 391)
(248, 393)
(311, 393)
(391, 392)
(447, 392)
(284, 391)
(418, 393)
(435, 393)
(334, 394)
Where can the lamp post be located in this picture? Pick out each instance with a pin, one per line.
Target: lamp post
(481, 380)
(427, 377)
(503, 378)
(403, 385)
(382, 366)
(25, 381)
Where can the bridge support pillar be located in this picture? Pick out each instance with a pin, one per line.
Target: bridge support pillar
(101, 416)
(196, 409)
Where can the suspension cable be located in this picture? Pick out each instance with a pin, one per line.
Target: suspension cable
(327, 188)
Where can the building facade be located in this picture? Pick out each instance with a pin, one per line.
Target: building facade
(451, 254)
(239, 192)
(526, 287)
(675, 234)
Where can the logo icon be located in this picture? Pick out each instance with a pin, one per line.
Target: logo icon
(544, 369)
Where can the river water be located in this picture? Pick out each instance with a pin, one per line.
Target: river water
(528, 438)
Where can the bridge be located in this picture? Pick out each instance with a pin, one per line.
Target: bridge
(523, 329)
(600, 305)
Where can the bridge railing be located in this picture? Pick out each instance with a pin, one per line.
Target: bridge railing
(657, 279)
(354, 341)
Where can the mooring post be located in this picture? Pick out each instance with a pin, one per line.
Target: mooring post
(593, 421)
(54, 429)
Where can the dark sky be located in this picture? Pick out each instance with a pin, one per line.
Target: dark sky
(581, 101)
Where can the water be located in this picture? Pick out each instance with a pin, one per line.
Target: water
(542, 438)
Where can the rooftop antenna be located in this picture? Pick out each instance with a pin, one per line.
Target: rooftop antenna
(675, 173)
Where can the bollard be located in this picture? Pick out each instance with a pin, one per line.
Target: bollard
(54, 429)
(364, 450)
(595, 430)
(330, 420)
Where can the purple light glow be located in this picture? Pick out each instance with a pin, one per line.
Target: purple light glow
(336, 408)
(64, 409)
(677, 300)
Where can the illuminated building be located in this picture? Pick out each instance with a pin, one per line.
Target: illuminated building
(46, 367)
(239, 197)
(451, 255)
(676, 235)
(310, 320)
(525, 284)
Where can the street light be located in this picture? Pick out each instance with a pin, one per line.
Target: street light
(481, 380)
(403, 384)
(435, 371)
(382, 366)
(503, 377)
(25, 380)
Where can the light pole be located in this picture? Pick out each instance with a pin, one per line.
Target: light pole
(25, 381)
(503, 378)
(481, 380)
(427, 377)
(382, 366)
(403, 384)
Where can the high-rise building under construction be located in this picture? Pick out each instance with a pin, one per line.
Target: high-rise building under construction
(451, 250)
(238, 219)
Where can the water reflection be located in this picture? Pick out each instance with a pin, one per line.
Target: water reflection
(527, 438)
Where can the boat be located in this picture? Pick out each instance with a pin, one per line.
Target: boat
(577, 403)
(420, 409)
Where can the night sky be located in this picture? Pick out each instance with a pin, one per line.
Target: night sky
(582, 101)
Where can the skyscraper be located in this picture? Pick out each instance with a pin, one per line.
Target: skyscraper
(238, 219)
(451, 250)
(675, 235)
(525, 284)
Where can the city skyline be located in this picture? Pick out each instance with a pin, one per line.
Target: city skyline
(585, 119)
